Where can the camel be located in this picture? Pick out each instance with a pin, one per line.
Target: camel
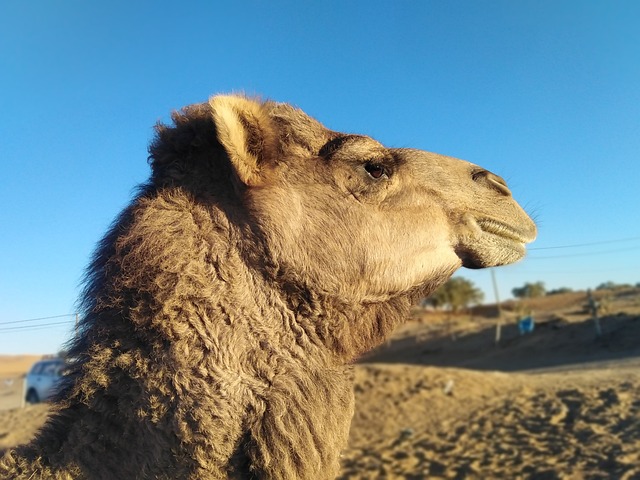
(225, 306)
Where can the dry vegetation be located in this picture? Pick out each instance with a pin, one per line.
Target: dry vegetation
(441, 400)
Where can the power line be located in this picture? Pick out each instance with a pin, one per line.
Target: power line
(570, 271)
(587, 254)
(39, 319)
(35, 327)
(629, 239)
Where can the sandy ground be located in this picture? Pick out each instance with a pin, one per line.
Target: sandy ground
(442, 400)
(18, 423)
(578, 425)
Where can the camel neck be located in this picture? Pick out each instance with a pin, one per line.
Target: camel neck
(345, 329)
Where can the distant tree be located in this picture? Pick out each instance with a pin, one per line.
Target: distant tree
(437, 299)
(560, 290)
(457, 293)
(530, 290)
(612, 286)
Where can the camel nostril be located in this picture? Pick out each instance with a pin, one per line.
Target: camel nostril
(491, 180)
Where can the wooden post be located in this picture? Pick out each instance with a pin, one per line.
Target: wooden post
(495, 291)
(593, 306)
(597, 322)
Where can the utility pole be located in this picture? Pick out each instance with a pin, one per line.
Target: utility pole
(495, 291)
(593, 307)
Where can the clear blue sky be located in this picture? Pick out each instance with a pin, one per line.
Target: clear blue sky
(544, 93)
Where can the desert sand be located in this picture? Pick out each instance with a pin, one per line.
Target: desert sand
(442, 400)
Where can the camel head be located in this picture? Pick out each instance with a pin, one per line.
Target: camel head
(346, 216)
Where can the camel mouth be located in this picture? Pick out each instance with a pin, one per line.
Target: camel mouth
(495, 243)
(507, 232)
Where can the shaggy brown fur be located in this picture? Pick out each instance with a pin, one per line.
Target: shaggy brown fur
(222, 309)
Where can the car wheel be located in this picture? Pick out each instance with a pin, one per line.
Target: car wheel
(32, 396)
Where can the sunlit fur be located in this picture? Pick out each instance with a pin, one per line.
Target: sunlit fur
(222, 309)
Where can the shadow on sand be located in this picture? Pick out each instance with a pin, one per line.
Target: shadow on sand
(553, 344)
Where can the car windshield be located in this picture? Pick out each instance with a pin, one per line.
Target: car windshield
(53, 369)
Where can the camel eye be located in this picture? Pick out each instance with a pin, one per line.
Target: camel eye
(375, 170)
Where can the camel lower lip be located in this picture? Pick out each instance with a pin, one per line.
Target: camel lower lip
(503, 250)
(496, 243)
(503, 230)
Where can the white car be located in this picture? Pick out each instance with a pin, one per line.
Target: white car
(42, 380)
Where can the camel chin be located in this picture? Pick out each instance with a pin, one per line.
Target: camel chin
(494, 243)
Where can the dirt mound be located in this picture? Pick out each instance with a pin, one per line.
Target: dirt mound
(16, 365)
(555, 342)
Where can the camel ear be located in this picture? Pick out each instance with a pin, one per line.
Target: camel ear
(247, 133)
